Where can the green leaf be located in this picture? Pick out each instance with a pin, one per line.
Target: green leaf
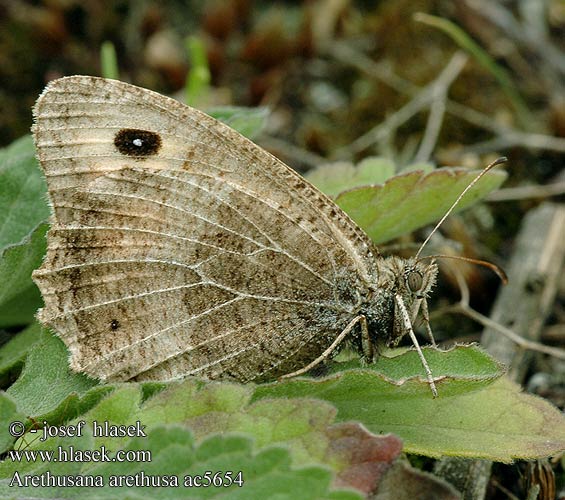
(109, 61)
(295, 437)
(8, 415)
(504, 79)
(20, 310)
(23, 199)
(424, 167)
(386, 205)
(463, 367)
(197, 84)
(266, 473)
(460, 370)
(334, 178)
(17, 263)
(23, 209)
(47, 384)
(305, 425)
(14, 352)
(409, 201)
(247, 121)
(494, 420)
(174, 452)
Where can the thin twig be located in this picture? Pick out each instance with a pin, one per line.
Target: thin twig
(292, 151)
(514, 337)
(381, 72)
(437, 108)
(525, 192)
(505, 136)
(418, 103)
(521, 34)
(386, 128)
(464, 308)
(512, 138)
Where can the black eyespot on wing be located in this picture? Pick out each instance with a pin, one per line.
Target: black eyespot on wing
(114, 324)
(135, 142)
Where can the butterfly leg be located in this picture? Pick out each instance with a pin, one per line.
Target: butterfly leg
(366, 344)
(408, 326)
(339, 339)
(22, 441)
(426, 318)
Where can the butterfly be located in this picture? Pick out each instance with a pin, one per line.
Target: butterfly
(178, 247)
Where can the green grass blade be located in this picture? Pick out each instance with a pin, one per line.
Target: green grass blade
(109, 61)
(485, 60)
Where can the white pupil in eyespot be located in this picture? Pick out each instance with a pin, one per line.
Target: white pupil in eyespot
(137, 142)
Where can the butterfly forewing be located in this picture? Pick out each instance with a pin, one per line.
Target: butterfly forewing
(179, 247)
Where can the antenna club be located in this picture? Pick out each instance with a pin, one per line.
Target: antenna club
(498, 161)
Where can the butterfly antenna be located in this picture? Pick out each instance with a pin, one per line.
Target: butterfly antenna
(490, 166)
(493, 267)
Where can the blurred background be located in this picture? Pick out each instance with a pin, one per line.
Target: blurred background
(416, 81)
(330, 71)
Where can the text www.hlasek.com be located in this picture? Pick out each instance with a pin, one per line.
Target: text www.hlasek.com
(206, 479)
(72, 454)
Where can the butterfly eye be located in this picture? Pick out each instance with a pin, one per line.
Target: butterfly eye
(415, 281)
(135, 142)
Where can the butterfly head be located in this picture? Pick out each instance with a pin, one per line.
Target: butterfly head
(401, 289)
(420, 277)
(412, 279)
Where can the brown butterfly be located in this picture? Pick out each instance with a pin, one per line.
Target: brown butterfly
(178, 247)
